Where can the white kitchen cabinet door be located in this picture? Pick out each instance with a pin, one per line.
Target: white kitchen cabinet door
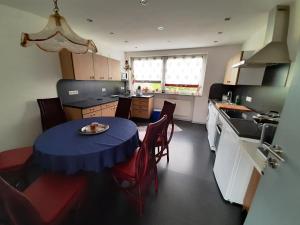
(241, 177)
(226, 156)
(211, 125)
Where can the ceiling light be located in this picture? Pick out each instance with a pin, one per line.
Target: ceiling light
(227, 18)
(135, 47)
(58, 35)
(126, 41)
(143, 2)
(220, 32)
(169, 41)
(111, 33)
(216, 41)
(160, 28)
(89, 20)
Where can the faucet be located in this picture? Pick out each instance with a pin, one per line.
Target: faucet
(229, 95)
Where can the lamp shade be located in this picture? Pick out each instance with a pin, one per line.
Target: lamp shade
(58, 35)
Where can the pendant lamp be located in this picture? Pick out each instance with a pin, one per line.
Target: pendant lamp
(58, 35)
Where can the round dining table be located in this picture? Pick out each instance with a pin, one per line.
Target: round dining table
(63, 148)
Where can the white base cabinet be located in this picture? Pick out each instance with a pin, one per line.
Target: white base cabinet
(232, 168)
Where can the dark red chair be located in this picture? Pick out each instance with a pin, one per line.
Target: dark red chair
(137, 174)
(123, 108)
(163, 145)
(15, 159)
(13, 164)
(47, 201)
(52, 112)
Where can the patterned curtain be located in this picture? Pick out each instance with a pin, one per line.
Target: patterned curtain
(185, 71)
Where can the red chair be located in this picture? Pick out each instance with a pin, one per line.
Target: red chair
(13, 164)
(123, 108)
(137, 174)
(45, 202)
(52, 112)
(168, 109)
(15, 159)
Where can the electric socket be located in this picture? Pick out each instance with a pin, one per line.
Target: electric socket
(74, 92)
(248, 99)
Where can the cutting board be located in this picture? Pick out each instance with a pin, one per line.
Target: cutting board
(232, 106)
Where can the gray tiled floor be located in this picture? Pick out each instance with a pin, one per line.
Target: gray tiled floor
(188, 193)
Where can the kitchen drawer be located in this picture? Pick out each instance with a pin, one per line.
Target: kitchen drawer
(140, 114)
(140, 107)
(93, 114)
(110, 104)
(140, 102)
(92, 109)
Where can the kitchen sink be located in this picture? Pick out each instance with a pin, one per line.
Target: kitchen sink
(236, 114)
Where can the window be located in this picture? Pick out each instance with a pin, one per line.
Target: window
(173, 74)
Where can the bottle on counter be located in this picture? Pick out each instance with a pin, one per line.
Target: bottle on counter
(237, 100)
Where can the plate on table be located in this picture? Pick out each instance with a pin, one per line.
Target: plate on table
(94, 128)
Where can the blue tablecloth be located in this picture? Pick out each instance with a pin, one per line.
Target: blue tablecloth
(63, 148)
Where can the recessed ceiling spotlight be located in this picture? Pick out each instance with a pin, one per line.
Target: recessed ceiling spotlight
(160, 28)
(216, 41)
(125, 41)
(143, 2)
(227, 18)
(169, 41)
(111, 33)
(89, 20)
(220, 32)
(135, 47)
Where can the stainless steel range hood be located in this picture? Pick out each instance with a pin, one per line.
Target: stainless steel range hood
(275, 50)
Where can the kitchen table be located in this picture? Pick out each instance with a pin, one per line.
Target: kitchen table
(63, 148)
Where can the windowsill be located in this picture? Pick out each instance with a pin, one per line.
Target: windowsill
(170, 93)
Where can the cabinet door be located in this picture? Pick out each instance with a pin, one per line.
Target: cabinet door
(225, 160)
(83, 66)
(100, 67)
(231, 74)
(114, 69)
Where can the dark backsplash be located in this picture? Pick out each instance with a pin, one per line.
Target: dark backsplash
(87, 89)
(270, 96)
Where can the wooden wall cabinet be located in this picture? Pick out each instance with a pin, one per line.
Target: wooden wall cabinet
(77, 66)
(142, 107)
(231, 74)
(101, 67)
(242, 76)
(108, 109)
(114, 69)
(88, 66)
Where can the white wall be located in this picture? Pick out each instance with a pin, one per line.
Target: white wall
(26, 74)
(256, 41)
(195, 108)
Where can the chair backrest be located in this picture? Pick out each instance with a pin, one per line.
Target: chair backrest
(52, 113)
(123, 108)
(168, 109)
(146, 154)
(17, 207)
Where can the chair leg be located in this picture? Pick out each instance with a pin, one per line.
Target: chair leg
(167, 153)
(140, 201)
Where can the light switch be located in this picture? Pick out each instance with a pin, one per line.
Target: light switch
(103, 89)
(248, 99)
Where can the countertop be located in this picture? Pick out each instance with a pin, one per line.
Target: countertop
(91, 102)
(243, 128)
(254, 155)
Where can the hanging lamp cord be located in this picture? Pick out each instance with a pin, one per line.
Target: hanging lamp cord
(56, 9)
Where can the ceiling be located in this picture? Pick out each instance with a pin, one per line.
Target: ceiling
(187, 23)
